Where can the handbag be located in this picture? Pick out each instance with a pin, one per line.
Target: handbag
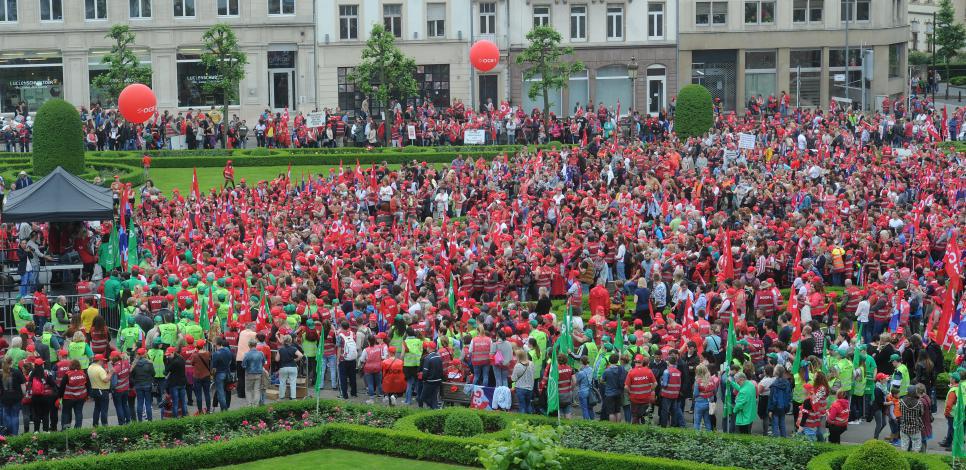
(711, 407)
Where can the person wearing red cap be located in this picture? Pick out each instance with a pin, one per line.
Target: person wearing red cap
(121, 389)
(75, 388)
(99, 375)
(176, 380)
(431, 374)
(393, 377)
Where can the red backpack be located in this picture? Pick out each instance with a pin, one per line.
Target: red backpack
(37, 387)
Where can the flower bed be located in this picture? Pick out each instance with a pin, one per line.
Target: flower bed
(190, 431)
(834, 460)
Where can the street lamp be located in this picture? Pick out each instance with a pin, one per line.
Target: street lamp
(632, 74)
(931, 33)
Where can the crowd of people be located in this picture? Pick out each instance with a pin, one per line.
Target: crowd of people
(653, 268)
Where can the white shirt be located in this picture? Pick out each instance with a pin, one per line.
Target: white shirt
(862, 311)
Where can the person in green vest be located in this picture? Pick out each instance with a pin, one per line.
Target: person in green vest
(127, 314)
(16, 352)
(292, 319)
(537, 357)
(901, 375)
(129, 337)
(746, 404)
(156, 356)
(588, 349)
(223, 311)
(168, 333)
(412, 355)
(309, 338)
(538, 335)
(173, 285)
(845, 369)
(869, 371)
(21, 315)
(631, 346)
(78, 350)
(193, 329)
(397, 334)
(52, 340)
(60, 316)
(112, 290)
(471, 328)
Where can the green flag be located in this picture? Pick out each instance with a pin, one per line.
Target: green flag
(553, 381)
(203, 314)
(452, 297)
(855, 352)
(825, 355)
(732, 339)
(568, 331)
(797, 363)
(132, 250)
(619, 337)
(108, 253)
(959, 415)
(319, 368)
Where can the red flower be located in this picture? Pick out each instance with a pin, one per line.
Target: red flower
(40, 452)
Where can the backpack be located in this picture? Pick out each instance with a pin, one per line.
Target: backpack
(781, 398)
(37, 387)
(350, 351)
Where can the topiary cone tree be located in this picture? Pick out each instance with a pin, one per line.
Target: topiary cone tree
(694, 113)
(58, 138)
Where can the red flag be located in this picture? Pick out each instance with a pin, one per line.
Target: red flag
(688, 308)
(942, 125)
(728, 261)
(583, 141)
(195, 191)
(953, 264)
(258, 246)
(796, 316)
(288, 175)
(335, 282)
(617, 121)
(262, 322)
(212, 311)
(943, 333)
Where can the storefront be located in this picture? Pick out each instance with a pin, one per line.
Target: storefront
(192, 77)
(30, 78)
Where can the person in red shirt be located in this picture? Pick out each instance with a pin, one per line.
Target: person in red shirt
(838, 417)
(640, 385)
(41, 307)
(229, 174)
(393, 379)
(600, 298)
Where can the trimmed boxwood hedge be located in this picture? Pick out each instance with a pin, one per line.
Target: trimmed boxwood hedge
(432, 422)
(58, 139)
(833, 460)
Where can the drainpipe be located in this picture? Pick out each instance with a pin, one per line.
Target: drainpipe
(472, 74)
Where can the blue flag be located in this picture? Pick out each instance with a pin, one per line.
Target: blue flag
(894, 321)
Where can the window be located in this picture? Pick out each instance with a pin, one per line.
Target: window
(349, 99)
(760, 77)
(227, 7)
(96, 68)
(614, 86)
(51, 10)
(488, 18)
(33, 78)
(711, 13)
(433, 82)
(348, 21)
(8, 11)
(759, 12)
(392, 19)
(807, 11)
(578, 91)
(192, 76)
(856, 10)
(281, 7)
(804, 77)
(895, 59)
(655, 20)
(555, 95)
(184, 8)
(615, 22)
(95, 9)
(541, 16)
(139, 9)
(578, 22)
(436, 20)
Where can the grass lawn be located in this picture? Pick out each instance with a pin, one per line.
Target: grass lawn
(337, 459)
(167, 179)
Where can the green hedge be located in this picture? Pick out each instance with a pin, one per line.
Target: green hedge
(58, 139)
(694, 114)
(407, 444)
(432, 422)
(833, 460)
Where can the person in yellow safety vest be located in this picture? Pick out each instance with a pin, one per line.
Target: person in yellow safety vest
(79, 350)
(838, 265)
(21, 315)
(127, 314)
(59, 315)
(52, 341)
(900, 377)
(412, 355)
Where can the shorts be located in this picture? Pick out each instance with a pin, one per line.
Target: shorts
(639, 409)
(613, 405)
(410, 372)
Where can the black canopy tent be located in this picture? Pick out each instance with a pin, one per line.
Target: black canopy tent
(58, 197)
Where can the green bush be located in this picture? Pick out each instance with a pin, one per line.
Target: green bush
(58, 138)
(875, 455)
(462, 423)
(693, 114)
(835, 460)
(958, 81)
(529, 448)
(433, 422)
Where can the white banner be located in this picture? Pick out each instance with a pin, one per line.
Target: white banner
(746, 141)
(315, 120)
(474, 137)
(411, 132)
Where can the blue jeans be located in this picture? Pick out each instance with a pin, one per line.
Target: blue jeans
(11, 418)
(102, 401)
(523, 399)
(121, 407)
(778, 424)
(68, 407)
(202, 389)
(620, 271)
(27, 281)
(373, 383)
(330, 364)
(220, 390)
(411, 390)
(866, 332)
(878, 327)
(142, 405)
(671, 411)
(481, 375)
(702, 413)
(586, 411)
(501, 376)
(179, 401)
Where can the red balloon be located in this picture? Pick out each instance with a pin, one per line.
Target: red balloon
(484, 55)
(137, 103)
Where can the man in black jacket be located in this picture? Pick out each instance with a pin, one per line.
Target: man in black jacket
(174, 371)
(432, 376)
(142, 380)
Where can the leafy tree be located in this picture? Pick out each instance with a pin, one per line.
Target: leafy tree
(694, 113)
(223, 57)
(124, 67)
(58, 138)
(544, 56)
(384, 73)
(950, 35)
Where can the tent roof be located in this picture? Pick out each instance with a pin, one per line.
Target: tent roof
(59, 197)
